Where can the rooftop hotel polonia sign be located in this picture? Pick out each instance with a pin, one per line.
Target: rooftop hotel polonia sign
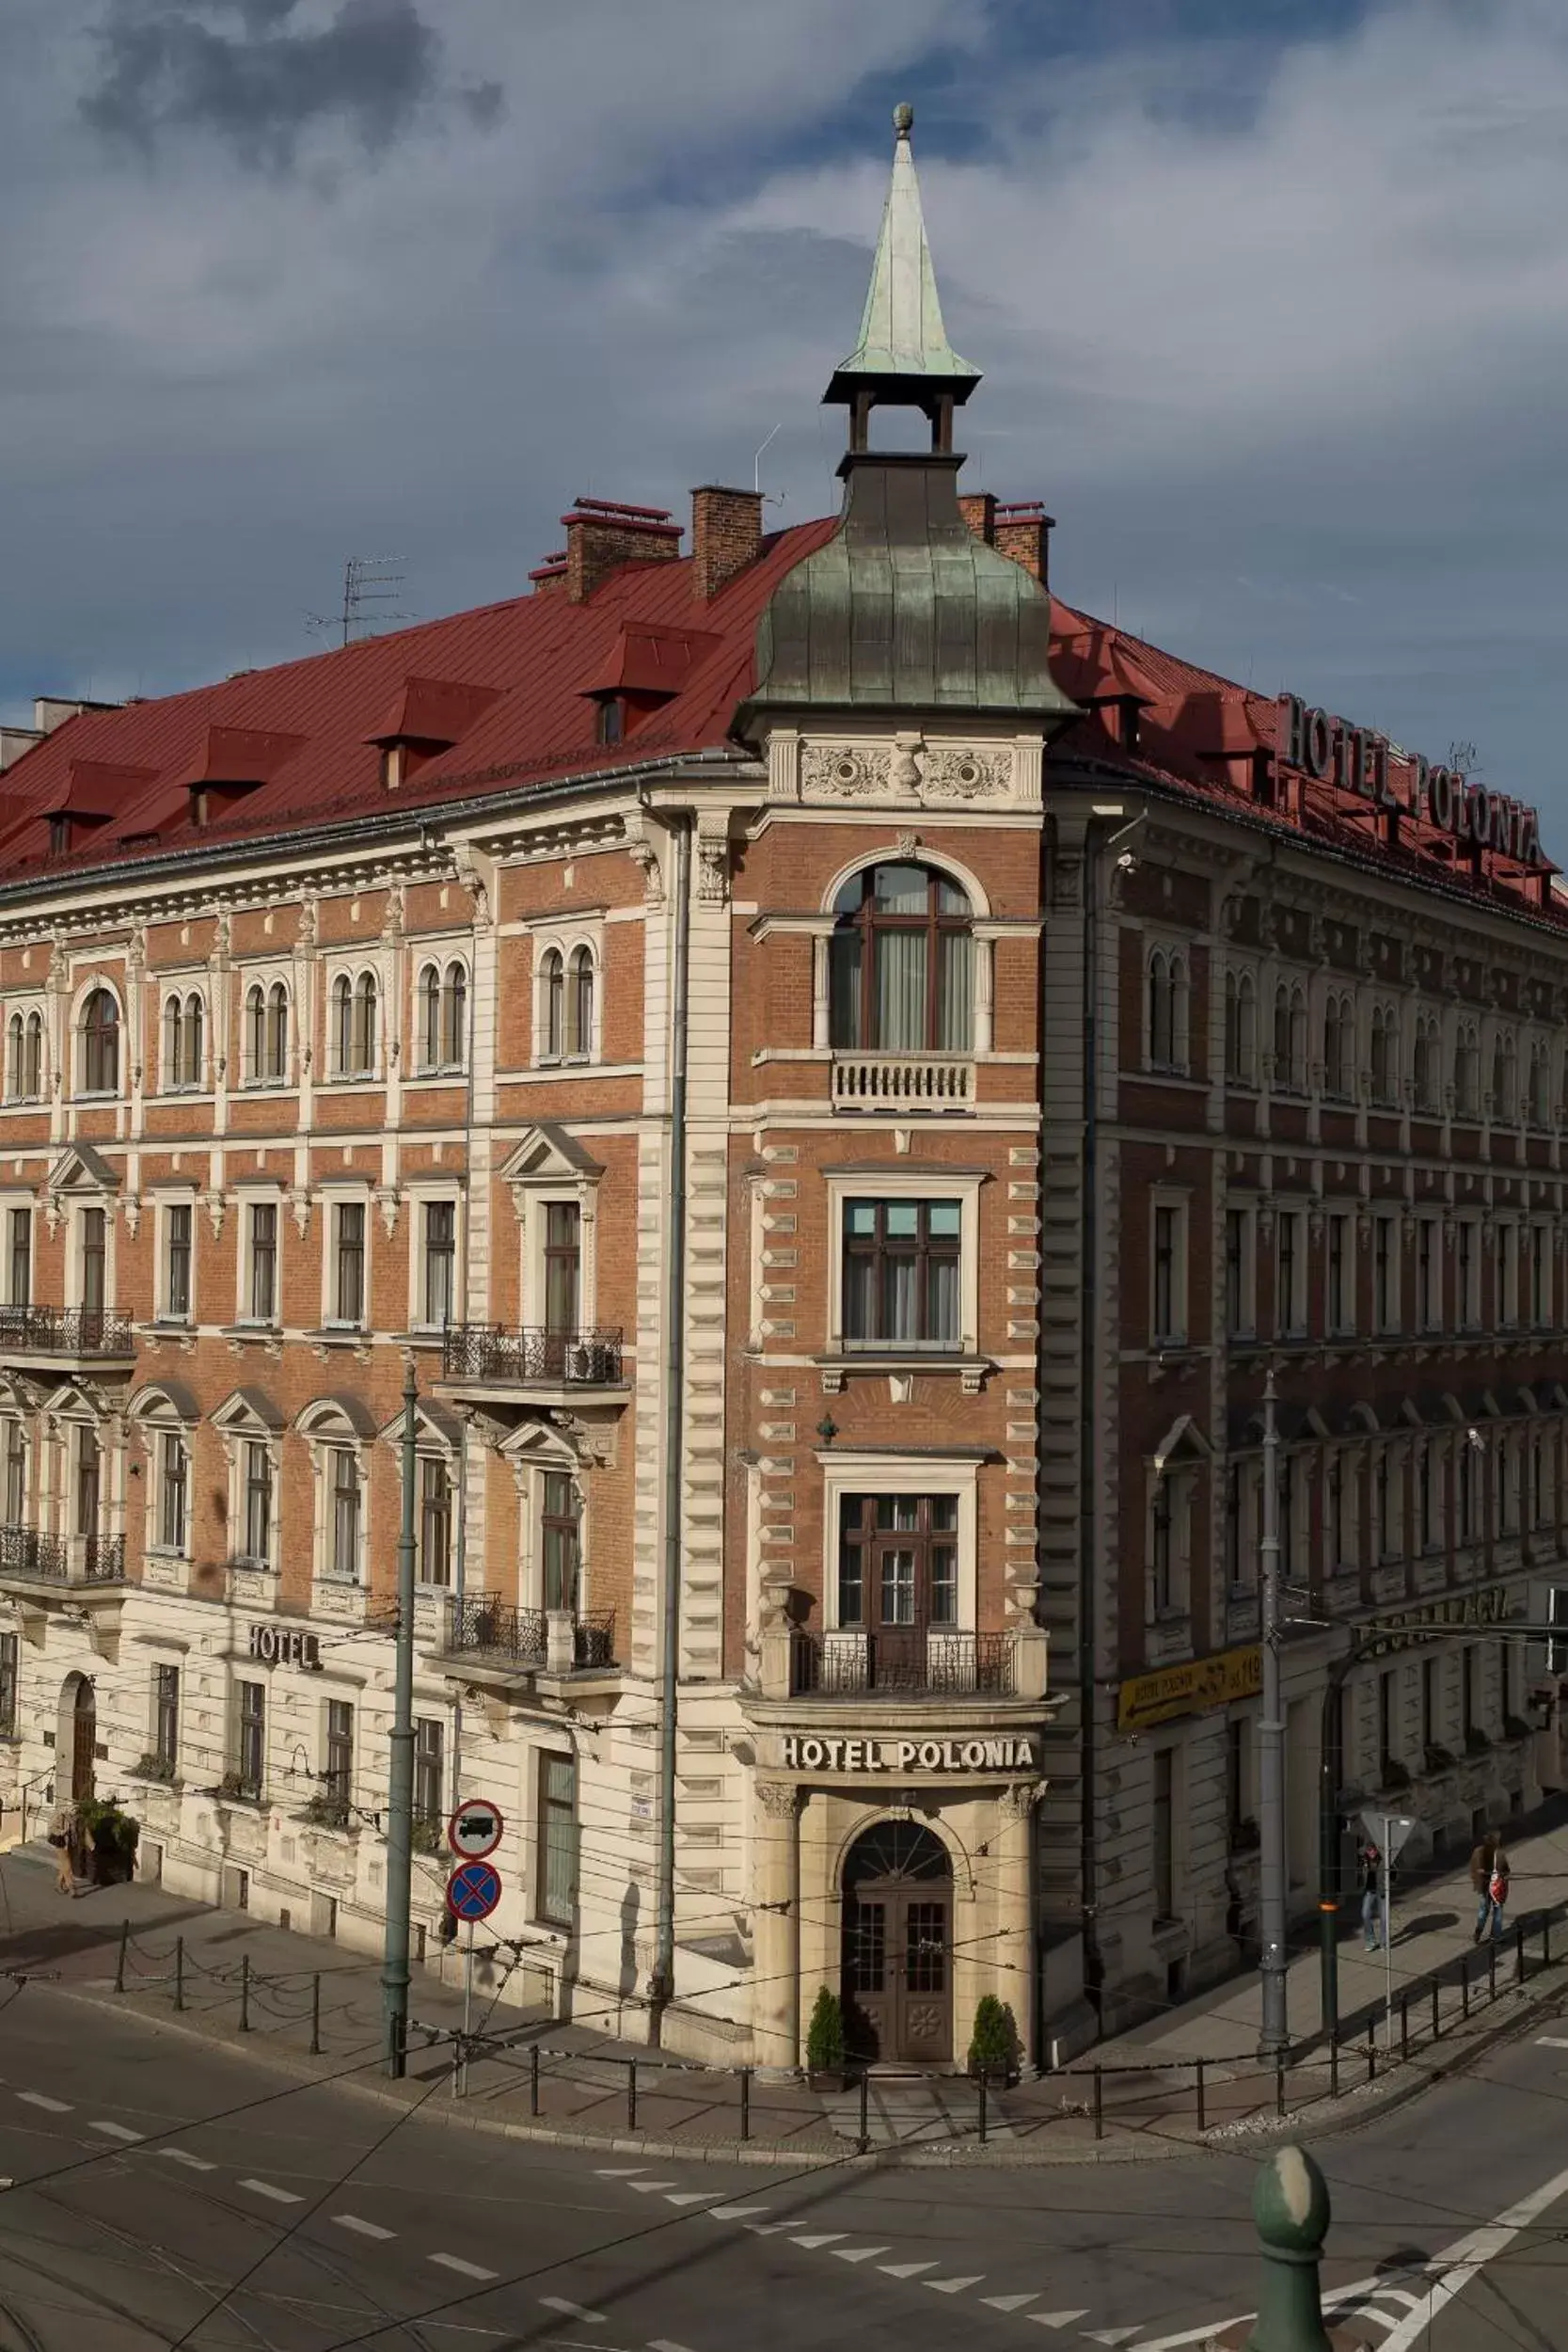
(1368, 766)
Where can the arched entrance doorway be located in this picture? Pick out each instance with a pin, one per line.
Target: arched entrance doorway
(77, 1737)
(898, 1946)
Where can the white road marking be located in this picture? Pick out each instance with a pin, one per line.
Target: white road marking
(1467, 2256)
(182, 2156)
(572, 2310)
(690, 2197)
(770, 2229)
(116, 2131)
(1205, 2335)
(618, 2171)
(361, 2229)
(954, 2286)
(823, 2237)
(51, 2106)
(468, 2270)
(1009, 2302)
(278, 2196)
(856, 2254)
(1059, 2319)
(905, 2270)
(1543, 2042)
(734, 2213)
(645, 2188)
(1109, 2335)
(663, 2343)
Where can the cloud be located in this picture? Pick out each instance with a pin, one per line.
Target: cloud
(244, 72)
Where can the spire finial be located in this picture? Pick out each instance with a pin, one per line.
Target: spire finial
(903, 345)
(903, 119)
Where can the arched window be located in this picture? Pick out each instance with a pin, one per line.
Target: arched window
(32, 1059)
(100, 1044)
(455, 1018)
(430, 1018)
(1540, 1086)
(342, 1023)
(1385, 1057)
(1241, 1030)
(266, 1031)
(254, 1034)
(1426, 1065)
(14, 1036)
(579, 1005)
(552, 1006)
(174, 1039)
(1505, 1076)
(190, 1073)
(1167, 1009)
(364, 1023)
(277, 1030)
(1290, 1037)
(901, 964)
(1340, 1047)
(1467, 1073)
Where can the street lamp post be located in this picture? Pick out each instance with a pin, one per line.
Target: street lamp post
(399, 1776)
(1273, 2037)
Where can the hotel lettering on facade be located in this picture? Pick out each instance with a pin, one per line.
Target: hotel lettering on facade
(841, 1071)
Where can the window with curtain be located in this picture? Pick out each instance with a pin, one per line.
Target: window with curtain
(88, 1479)
(901, 1273)
(266, 1033)
(430, 1018)
(16, 1474)
(95, 1262)
(348, 1299)
(176, 1261)
(363, 1040)
(344, 1544)
(13, 1058)
(32, 1059)
(342, 1024)
(261, 1301)
(560, 1523)
(434, 1553)
(173, 1490)
(430, 1778)
(552, 1006)
(250, 1744)
(19, 1288)
(166, 1716)
(100, 1044)
(562, 1265)
(558, 1839)
(901, 964)
(258, 1502)
(898, 1560)
(441, 1262)
(579, 1005)
(454, 1017)
(1241, 1030)
(277, 1039)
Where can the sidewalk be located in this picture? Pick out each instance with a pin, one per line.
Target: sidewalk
(1166, 2088)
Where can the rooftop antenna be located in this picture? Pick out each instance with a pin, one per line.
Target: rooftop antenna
(368, 580)
(756, 462)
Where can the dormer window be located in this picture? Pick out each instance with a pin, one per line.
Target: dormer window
(59, 836)
(610, 718)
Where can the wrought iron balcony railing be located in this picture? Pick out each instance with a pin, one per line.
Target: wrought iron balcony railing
(27, 1552)
(64, 1331)
(527, 1352)
(491, 1628)
(918, 1661)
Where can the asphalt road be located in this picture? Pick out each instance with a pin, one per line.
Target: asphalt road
(165, 2194)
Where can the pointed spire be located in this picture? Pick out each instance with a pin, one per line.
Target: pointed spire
(901, 330)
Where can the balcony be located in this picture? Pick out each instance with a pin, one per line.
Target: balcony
(905, 1082)
(46, 1565)
(501, 1359)
(53, 1338)
(495, 1640)
(919, 1662)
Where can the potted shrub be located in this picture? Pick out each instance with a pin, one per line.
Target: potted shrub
(993, 2046)
(114, 1836)
(825, 2043)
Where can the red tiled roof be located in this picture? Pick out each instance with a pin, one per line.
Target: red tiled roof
(507, 691)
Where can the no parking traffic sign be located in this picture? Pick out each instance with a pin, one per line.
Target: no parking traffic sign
(475, 1829)
(473, 1890)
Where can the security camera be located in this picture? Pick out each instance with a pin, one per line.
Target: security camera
(1127, 863)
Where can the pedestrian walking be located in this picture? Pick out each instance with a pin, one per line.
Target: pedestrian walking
(62, 1830)
(1372, 1897)
(1489, 1877)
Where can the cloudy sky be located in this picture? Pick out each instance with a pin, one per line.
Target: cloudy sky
(1271, 298)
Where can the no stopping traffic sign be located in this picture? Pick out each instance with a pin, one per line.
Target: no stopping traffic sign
(473, 1890)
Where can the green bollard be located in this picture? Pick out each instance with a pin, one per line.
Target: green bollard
(1289, 2205)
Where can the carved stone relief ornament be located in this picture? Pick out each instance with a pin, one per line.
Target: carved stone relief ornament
(713, 860)
(906, 766)
(779, 1799)
(956, 772)
(642, 853)
(846, 772)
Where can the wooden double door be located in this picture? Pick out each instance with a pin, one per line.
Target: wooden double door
(898, 1946)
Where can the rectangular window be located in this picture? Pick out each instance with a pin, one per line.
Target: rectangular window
(20, 1288)
(1291, 1303)
(1165, 1835)
(262, 1300)
(1239, 1274)
(430, 1776)
(1236, 1744)
(348, 1295)
(901, 1273)
(338, 1757)
(1340, 1549)
(1507, 1275)
(94, 1269)
(1341, 1274)
(1162, 1550)
(7, 1685)
(1428, 1274)
(1556, 1613)
(88, 1474)
(16, 1474)
(250, 1747)
(173, 1488)
(258, 1502)
(1387, 1722)
(1431, 1713)
(343, 1553)
(1541, 1277)
(558, 1838)
(166, 1716)
(1468, 1694)
(558, 1530)
(1385, 1274)
(441, 1262)
(1468, 1273)
(898, 1560)
(1167, 1306)
(176, 1261)
(562, 1265)
(434, 1557)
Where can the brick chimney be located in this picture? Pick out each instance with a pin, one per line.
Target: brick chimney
(550, 576)
(726, 537)
(978, 509)
(602, 535)
(1023, 532)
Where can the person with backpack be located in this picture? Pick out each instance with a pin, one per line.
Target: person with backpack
(1489, 1877)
